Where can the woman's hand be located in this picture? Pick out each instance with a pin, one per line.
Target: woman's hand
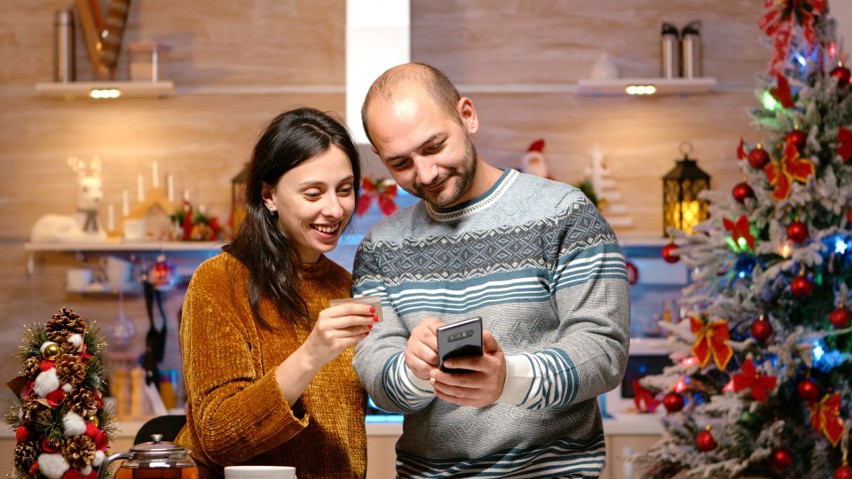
(337, 328)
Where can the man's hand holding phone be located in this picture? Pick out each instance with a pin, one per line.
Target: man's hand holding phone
(483, 382)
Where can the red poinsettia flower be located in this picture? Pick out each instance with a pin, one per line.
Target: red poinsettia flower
(791, 167)
(782, 92)
(760, 384)
(741, 154)
(740, 229)
(55, 397)
(844, 144)
(46, 365)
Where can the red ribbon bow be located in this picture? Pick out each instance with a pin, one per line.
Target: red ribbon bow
(749, 378)
(740, 229)
(782, 92)
(384, 191)
(778, 22)
(712, 340)
(791, 167)
(825, 418)
(844, 146)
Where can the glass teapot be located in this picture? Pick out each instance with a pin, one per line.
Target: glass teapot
(157, 459)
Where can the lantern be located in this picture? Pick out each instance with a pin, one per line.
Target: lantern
(682, 209)
(238, 203)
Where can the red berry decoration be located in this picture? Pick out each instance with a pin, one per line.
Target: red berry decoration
(742, 191)
(761, 330)
(704, 441)
(842, 74)
(797, 138)
(808, 390)
(781, 459)
(843, 472)
(801, 286)
(797, 231)
(841, 318)
(669, 254)
(758, 158)
(673, 402)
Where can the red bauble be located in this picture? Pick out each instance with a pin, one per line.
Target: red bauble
(669, 255)
(632, 273)
(761, 329)
(673, 402)
(842, 74)
(843, 472)
(841, 318)
(781, 459)
(808, 390)
(801, 286)
(742, 191)
(758, 158)
(162, 274)
(704, 441)
(797, 138)
(797, 231)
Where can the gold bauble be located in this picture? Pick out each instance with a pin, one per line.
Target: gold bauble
(51, 351)
(94, 420)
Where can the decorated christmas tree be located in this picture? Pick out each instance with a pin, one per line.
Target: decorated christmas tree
(762, 362)
(61, 426)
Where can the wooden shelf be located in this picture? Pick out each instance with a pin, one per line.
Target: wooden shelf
(164, 246)
(661, 86)
(128, 89)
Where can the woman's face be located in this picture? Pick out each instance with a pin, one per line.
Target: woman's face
(315, 201)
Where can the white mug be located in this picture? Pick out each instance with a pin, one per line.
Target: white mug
(78, 279)
(119, 273)
(260, 472)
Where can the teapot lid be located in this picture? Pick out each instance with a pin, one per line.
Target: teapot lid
(157, 447)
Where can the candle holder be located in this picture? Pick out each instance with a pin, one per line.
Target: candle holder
(682, 207)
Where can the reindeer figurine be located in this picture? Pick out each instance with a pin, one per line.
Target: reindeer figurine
(84, 224)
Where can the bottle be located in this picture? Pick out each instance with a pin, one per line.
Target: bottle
(690, 50)
(669, 53)
(64, 68)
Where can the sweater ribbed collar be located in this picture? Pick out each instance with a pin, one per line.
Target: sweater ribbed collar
(315, 270)
(477, 204)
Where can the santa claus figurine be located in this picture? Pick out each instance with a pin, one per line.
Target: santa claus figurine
(533, 160)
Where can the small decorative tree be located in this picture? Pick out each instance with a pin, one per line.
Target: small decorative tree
(61, 426)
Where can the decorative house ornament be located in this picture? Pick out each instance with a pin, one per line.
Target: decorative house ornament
(682, 207)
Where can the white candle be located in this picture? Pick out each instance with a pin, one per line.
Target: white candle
(170, 184)
(140, 187)
(186, 195)
(155, 174)
(110, 217)
(125, 203)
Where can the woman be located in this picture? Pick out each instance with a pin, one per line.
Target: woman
(268, 364)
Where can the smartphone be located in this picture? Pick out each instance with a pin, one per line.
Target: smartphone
(461, 339)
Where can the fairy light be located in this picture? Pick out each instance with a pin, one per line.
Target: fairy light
(769, 102)
(840, 246)
(640, 89)
(103, 93)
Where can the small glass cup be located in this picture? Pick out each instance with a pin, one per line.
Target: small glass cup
(375, 301)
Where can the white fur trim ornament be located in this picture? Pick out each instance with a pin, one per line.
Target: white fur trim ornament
(67, 388)
(86, 471)
(46, 382)
(76, 340)
(52, 465)
(99, 459)
(74, 424)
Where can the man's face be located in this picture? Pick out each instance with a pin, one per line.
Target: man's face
(429, 154)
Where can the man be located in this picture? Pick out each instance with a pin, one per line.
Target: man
(532, 257)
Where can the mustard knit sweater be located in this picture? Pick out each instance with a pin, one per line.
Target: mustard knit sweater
(236, 413)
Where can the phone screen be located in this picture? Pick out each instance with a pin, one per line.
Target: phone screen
(461, 339)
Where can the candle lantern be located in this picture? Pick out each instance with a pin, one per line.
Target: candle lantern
(682, 208)
(238, 204)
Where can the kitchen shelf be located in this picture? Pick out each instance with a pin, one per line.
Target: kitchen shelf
(619, 86)
(128, 89)
(156, 246)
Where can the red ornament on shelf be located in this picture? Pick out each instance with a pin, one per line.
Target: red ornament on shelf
(841, 318)
(801, 286)
(758, 158)
(797, 231)
(797, 138)
(808, 390)
(162, 274)
(781, 459)
(669, 255)
(843, 472)
(842, 74)
(742, 191)
(704, 441)
(673, 402)
(761, 329)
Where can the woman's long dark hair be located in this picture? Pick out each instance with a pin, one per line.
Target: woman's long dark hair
(289, 140)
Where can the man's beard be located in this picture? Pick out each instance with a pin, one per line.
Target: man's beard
(452, 192)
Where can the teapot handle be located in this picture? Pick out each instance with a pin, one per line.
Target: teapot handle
(102, 470)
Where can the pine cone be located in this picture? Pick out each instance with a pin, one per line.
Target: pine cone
(82, 401)
(63, 324)
(79, 451)
(31, 409)
(71, 370)
(32, 366)
(26, 454)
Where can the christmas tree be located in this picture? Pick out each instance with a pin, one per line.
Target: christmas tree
(762, 362)
(61, 426)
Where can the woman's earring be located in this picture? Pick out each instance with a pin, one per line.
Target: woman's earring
(272, 210)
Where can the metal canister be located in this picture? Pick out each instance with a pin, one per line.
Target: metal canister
(669, 54)
(64, 67)
(690, 49)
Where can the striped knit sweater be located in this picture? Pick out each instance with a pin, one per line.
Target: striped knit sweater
(543, 269)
